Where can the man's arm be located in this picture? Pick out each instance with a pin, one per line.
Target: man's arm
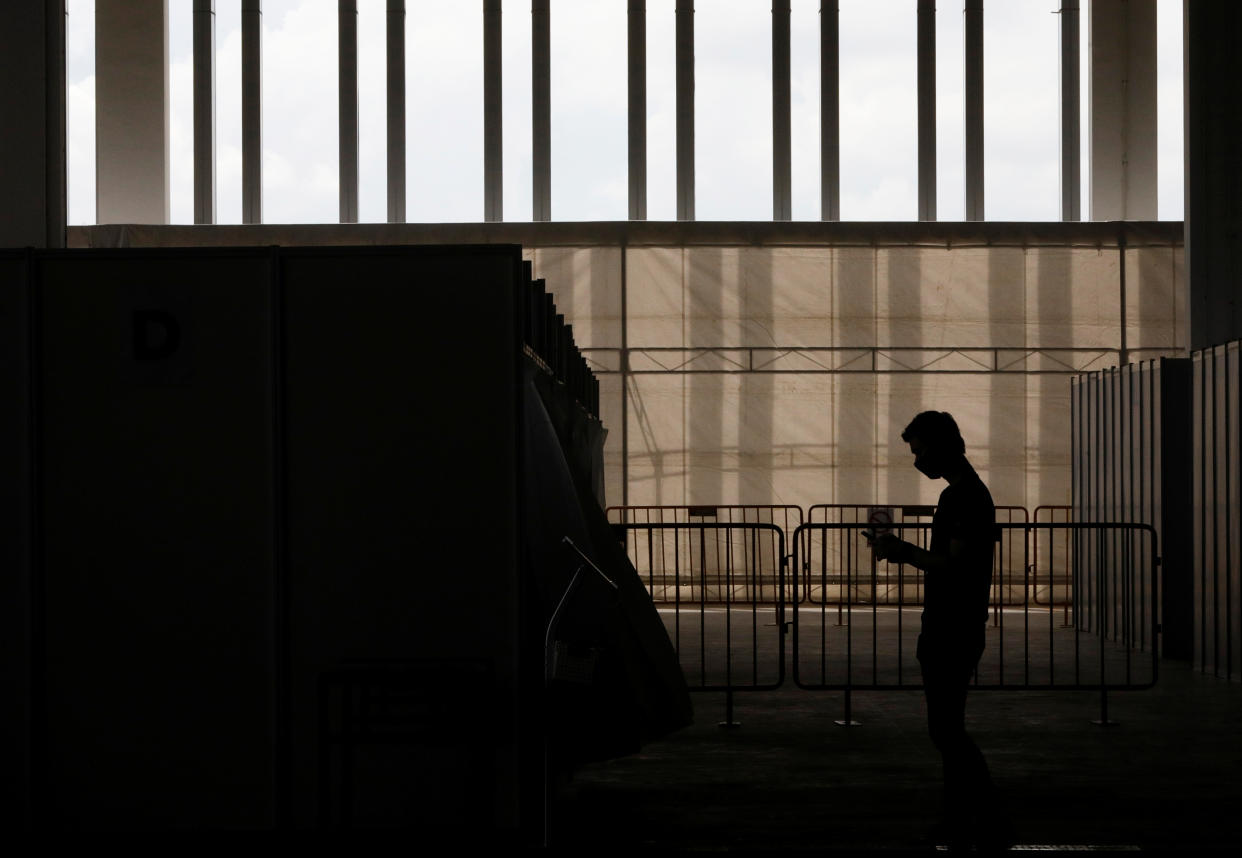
(889, 547)
(921, 558)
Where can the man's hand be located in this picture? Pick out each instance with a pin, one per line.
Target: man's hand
(886, 546)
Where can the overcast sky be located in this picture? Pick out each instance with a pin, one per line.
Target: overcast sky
(444, 112)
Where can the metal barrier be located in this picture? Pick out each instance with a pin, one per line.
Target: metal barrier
(720, 589)
(784, 518)
(1055, 553)
(836, 548)
(868, 639)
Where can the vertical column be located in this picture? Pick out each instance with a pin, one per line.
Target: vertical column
(541, 109)
(252, 111)
(55, 119)
(829, 111)
(974, 109)
(1213, 130)
(396, 110)
(927, 108)
(204, 111)
(685, 109)
(347, 87)
(637, 126)
(1122, 36)
(32, 102)
(1071, 147)
(782, 181)
(131, 111)
(493, 118)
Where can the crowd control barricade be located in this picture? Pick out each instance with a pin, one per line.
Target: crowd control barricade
(835, 548)
(1051, 550)
(867, 638)
(720, 590)
(785, 517)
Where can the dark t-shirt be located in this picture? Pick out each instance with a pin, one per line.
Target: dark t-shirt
(955, 600)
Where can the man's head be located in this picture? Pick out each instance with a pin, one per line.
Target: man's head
(936, 443)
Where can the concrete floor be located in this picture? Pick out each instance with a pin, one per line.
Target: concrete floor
(1168, 776)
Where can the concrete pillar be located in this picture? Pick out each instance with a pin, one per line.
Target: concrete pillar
(493, 117)
(782, 147)
(927, 108)
(1122, 81)
(131, 111)
(974, 109)
(541, 110)
(1213, 129)
(347, 106)
(395, 57)
(636, 45)
(1071, 149)
(685, 109)
(830, 111)
(32, 102)
(204, 111)
(252, 111)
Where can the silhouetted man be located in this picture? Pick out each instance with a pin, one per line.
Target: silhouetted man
(957, 571)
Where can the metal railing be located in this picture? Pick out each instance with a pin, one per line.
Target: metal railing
(1072, 606)
(720, 588)
(837, 548)
(869, 641)
(1050, 550)
(654, 557)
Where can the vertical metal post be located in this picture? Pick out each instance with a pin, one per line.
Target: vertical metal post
(395, 56)
(541, 110)
(1071, 120)
(685, 109)
(728, 722)
(204, 111)
(493, 118)
(252, 111)
(637, 125)
(624, 370)
(829, 111)
(782, 151)
(974, 109)
(1123, 356)
(347, 88)
(927, 109)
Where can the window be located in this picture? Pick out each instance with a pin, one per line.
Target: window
(1021, 111)
(444, 111)
(589, 110)
(516, 93)
(879, 110)
(733, 110)
(80, 80)
(300, 112)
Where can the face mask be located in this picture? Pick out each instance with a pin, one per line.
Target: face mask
(928, 467)
(932, 464)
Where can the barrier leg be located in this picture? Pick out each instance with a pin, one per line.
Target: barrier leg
(1104, 722)
(728, 723)
(847, 721)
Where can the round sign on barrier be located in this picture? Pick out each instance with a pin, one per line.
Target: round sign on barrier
(880, 519)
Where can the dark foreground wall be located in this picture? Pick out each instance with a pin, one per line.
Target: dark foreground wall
(263, 512)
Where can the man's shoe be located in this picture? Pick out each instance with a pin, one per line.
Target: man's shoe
(995, 835)
(953, 837)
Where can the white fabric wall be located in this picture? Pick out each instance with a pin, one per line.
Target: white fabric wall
(816, 416)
